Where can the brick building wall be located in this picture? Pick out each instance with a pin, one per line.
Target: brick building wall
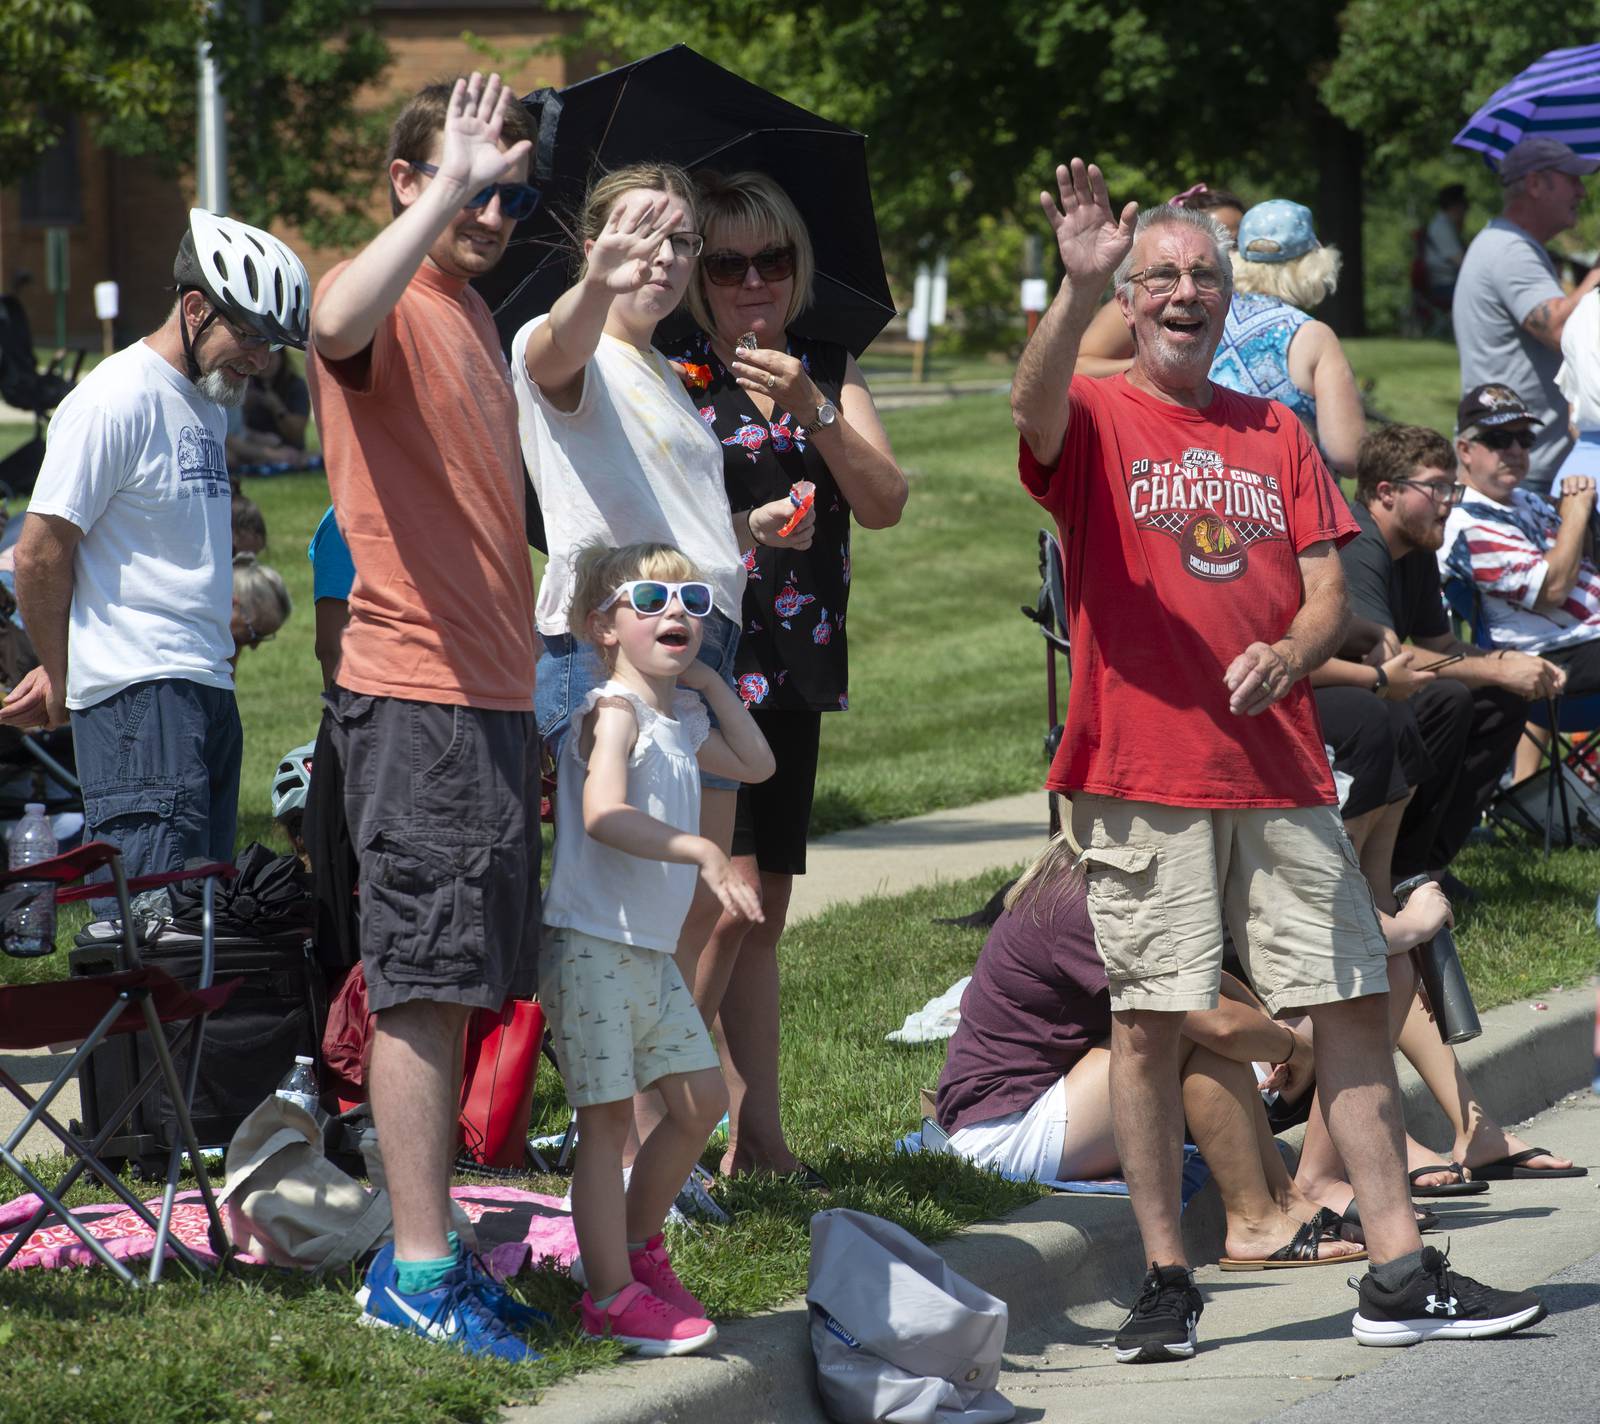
(133, 216)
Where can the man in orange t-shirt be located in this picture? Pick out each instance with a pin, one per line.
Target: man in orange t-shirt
(431, 716)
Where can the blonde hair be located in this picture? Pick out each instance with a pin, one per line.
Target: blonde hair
(1306, 282)
(261, 592)
(1053, 870)
(604, 191)
(756, 202)
(597, 570)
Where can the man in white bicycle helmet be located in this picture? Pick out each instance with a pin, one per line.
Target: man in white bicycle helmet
(290, 783)
(123, 568)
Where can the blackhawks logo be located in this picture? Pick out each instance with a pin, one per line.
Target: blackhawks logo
(1213, 512)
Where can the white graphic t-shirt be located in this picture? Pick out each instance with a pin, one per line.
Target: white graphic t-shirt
(135, 460)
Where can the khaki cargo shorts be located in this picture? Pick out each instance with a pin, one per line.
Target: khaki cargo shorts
(1163, 881)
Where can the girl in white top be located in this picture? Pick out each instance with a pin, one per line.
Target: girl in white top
(619, 454)
(627, 851)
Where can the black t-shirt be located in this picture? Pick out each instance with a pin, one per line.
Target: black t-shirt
(1402, 593)
(792, 649)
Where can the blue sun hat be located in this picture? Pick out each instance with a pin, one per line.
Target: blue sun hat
(1276, 231)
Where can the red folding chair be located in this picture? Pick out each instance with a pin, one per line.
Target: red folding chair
(134, 999)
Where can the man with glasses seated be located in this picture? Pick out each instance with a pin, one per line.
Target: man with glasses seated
(1471, 714)
(123, 566)
(1529, 559)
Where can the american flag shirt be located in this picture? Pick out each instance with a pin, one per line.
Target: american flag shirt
(1502, 550)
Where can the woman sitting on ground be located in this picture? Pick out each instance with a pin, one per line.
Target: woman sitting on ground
(1025, 1089)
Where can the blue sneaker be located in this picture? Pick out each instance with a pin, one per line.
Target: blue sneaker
(517, 1316)
(456, 1313)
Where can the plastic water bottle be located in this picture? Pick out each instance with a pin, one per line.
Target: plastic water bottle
(300, 1088)
(30, 929)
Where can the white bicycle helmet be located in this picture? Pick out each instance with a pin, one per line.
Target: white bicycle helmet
(248, 275)
(291, 781)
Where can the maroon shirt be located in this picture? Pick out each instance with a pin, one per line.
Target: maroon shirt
(1037, 1001)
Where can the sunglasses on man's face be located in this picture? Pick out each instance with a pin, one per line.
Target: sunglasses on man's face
(649, 597)
(517, 200)
(727, 269)
(1504, 439)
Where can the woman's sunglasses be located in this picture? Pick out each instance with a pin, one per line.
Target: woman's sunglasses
(517, 200)
(727, 269)
(649, 597)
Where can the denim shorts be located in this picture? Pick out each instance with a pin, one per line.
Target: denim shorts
(569, 669)
(159, 763)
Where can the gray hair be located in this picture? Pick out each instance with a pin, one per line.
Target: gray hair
(263, 596)
(1167, 213)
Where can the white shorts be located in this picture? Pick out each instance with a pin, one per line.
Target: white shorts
(1021, 1146)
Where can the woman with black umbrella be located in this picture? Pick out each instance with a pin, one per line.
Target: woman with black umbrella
(788, 411)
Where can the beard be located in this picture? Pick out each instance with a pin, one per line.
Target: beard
(220, 388)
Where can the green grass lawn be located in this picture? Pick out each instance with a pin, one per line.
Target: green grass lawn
(77, 1349)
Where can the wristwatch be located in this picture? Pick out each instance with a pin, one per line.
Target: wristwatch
(827, 414)
(1382, 682)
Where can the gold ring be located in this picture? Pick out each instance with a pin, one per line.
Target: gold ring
(771, 380)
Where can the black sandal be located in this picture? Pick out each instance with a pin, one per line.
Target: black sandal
(1301, 1250)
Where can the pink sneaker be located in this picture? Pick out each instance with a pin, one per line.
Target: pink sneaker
(654, 1272)
(645, 1324)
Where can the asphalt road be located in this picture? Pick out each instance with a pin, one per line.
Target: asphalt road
(1549, 1374)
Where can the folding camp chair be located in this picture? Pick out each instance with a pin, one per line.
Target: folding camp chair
(1050, 613)
(134, 999)
(1562, 789)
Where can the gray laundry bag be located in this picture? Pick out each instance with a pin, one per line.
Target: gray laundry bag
(898, 1336)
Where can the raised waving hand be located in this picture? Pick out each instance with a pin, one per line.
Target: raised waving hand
(1089, 237)
(470, 150)
(625, 253)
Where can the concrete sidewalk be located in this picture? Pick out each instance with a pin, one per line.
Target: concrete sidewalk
(896, 856)
(1068, 1266)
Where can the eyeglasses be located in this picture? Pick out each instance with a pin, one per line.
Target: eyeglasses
(1437, 490)
(1504, 439)
(252, 638)
(252, 340)
(1161, 281)
(727, 269)
(517, 200)
(649, 597)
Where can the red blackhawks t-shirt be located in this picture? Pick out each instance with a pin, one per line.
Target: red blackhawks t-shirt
(1181, 530)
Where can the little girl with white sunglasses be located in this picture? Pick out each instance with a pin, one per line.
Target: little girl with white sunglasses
(627, 855)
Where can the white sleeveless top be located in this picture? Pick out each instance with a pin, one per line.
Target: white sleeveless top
(607, 892)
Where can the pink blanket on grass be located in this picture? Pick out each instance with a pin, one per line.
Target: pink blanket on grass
(514, 1229)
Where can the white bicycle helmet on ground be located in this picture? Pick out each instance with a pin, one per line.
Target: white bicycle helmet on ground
(291, 781)
(249, 276)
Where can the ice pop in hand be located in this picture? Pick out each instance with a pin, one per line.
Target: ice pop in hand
(802, 494)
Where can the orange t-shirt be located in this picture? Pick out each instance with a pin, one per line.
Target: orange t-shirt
(419, 433)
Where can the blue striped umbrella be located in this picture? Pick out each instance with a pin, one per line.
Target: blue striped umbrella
(1557, 96)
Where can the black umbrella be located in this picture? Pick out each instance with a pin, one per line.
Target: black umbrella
(679, 107)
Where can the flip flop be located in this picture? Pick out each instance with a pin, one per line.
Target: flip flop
(1461, 1187)
(1301, 1250)
(1504, 1169)
(1348, 1225)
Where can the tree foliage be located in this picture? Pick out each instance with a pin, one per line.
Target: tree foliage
(109, 61)
(299, 150)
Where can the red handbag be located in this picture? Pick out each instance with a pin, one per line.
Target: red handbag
(502, 1058)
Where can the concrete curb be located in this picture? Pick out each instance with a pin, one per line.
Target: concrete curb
(1059, 1252)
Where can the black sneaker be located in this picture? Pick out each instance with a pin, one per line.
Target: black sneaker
(1437, 1303)
(1161, 1324)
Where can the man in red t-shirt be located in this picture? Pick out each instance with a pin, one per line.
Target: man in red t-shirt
(1201, 534)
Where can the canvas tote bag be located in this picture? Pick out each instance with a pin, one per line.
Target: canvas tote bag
(898, 1336)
